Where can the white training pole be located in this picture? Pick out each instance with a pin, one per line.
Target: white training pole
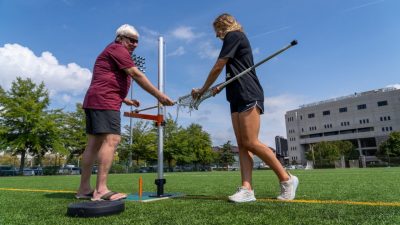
(160, 181)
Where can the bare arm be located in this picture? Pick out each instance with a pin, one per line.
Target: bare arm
(145, 83)
(213, 75)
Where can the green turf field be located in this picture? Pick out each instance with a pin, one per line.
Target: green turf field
(330, 196)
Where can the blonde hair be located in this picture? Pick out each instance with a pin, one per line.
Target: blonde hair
(225, 23)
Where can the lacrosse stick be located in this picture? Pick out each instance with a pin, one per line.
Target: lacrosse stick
(193, 103)
(189, 101)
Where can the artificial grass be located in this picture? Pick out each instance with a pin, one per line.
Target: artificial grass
(205, 201)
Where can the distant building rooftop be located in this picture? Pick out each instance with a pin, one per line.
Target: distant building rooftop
(355, 95)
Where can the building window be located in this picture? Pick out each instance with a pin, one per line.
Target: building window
(327, 112)
(387, 129)
(362, 106)
(343, 124)
(342, 110)
(382, 103)
(311, 115)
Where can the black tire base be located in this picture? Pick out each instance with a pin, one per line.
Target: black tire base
(95, 208)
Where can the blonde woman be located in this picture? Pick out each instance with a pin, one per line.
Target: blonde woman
(246, 98)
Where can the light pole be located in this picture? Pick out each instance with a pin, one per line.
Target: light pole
(140, 64)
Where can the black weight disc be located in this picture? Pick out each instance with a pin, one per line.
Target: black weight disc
(95, 208)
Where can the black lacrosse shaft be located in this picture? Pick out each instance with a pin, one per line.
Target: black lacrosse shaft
(223, 85)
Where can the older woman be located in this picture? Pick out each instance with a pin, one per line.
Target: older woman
(109, 87)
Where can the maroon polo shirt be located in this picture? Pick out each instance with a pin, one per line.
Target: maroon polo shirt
(110, 84)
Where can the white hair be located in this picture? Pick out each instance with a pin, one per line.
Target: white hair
(126, 30)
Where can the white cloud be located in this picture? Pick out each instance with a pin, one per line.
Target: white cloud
(256, 51)
(149, 37)
(214, 116)
(207, 50)
(66, 98)
(363, 5)
(60, 80)
(178, 52)
(273, 120)
(184, 33)
(270, 32)
(397, 86)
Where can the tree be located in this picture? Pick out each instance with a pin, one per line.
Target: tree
(27, 126)
(74, 132)
(390, 148)
(346, 148)
(199, 145)
(325, 153)
(174, 142)
(144, 143)
(225, 154)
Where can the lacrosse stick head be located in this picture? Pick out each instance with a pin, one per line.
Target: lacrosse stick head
(192, 103)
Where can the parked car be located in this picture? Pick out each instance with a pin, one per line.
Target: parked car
(38, 170)
(95, 169)
(290, 167)
(28, 172)
(299, 166)
(8, 171)
(143, 170)
(69, 170)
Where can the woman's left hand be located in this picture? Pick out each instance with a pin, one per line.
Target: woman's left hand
(216, 90)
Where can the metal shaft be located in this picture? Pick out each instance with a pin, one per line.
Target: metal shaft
(160, 153)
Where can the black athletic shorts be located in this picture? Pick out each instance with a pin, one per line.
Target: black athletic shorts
(103, 121)
(246, 106)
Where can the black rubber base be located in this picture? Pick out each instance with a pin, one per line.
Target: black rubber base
(95, 208)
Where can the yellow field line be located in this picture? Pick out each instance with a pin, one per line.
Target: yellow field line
(36, 190)
(396, 204)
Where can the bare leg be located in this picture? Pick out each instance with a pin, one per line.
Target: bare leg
(105, 159)
(245, 157)
(249, 123)
(89, 157)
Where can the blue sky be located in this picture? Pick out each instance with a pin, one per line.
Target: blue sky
(345, 46)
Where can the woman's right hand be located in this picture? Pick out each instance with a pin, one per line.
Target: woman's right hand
(197, 93)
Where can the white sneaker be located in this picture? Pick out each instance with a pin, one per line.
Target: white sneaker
(288, 188)
(242, 195)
